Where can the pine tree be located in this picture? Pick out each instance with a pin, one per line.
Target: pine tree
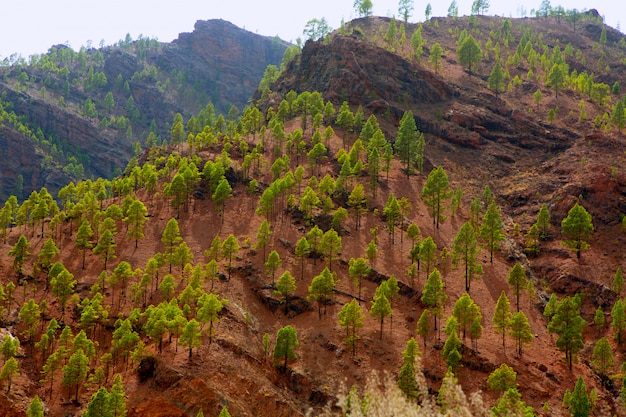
(314, 237)
(10, 369)
(272, 264)
(391, 35)
(436, 51)
(167, 286)
(518, 280)
(75, 372)
(62, 286)
(537, 97)
(618, 282)
(358, 270)
(434, 295)
(263, 236)
(380, 309)
(390, 289)
(579, 402)
(330, 246)
(321, 289)
(543, 221)
(136, 217)
(464, 248)
(491, 229)
(423, 325)
(511, 404)
(568, 325)
(428, 254)
(117, 397)
(191, 336)
(451, 351)
(215, 250)
(466, 311)
(406, 144)
(285, 348)
(393, 215)
(448, 394)
(19, 253)
(599, 320)
(171, 238)
(420, 146)
(618, 322)
(285, 287)
(221, 194)
(502, 317)
(209, 307)
(105, 247)
(48, 252)
(577, 227)
(550, 308)
(230, 247)
(29, 315)
(406, 377)
(99, 406)
(469, 52)
(53, 363)
(456, 200)
(556, 79)
(602, 357)
(35, 408)
(496, 79)
(302, 249)
(520, 330)
(351, 318)
(436, 189)
(502, 378)
(618, 116)
(357, 201)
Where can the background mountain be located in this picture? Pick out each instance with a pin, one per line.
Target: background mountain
(69, 115)
(241, 189)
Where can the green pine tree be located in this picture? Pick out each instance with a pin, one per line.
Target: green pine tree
(436, 189)
(491, 229)
(351, 318)
(285, 348)
(502, 317)
(579, 402)
(577, 228)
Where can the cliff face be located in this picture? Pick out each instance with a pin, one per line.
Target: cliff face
(104, 148)
(227, 61)
(217, 62)
(363, 74)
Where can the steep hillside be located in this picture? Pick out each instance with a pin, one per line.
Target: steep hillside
(256, 227)
(79, 114)
(507, 141)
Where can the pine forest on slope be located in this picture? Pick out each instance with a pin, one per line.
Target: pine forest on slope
(340, 226)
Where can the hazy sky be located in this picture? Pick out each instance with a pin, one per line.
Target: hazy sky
(32, 26)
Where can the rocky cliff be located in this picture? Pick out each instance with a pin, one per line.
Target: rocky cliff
(50, 135)
(226, 61)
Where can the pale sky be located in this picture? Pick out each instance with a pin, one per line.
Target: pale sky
(33, 26)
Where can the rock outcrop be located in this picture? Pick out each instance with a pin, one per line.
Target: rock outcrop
(217, 62)
(228, 62)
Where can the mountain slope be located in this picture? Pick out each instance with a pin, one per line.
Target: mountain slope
(79, 115)
(507, 143)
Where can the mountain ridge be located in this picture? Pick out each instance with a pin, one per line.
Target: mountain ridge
(162, 80)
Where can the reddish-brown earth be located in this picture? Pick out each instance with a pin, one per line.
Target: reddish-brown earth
(480, 140)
